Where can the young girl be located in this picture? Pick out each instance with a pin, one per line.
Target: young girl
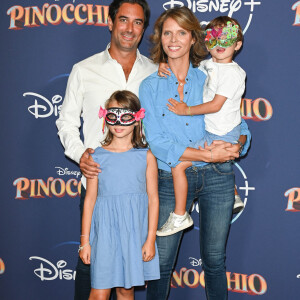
(224, 87)
(120, 212)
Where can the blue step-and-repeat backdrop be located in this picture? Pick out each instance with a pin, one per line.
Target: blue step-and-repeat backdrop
(39, 205)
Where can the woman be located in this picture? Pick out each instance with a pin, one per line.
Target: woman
(178, 40)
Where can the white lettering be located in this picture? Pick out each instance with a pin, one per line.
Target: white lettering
(52, 272)
(46, 109)
(66, 171)
(221, 6)
(252, 4)
(195, 262)
(172, 4)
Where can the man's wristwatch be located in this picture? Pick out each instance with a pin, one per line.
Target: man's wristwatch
(241, 146)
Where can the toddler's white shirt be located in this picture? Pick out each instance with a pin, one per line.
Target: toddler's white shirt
(227, 80)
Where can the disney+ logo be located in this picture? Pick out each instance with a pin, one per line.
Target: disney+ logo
(222, 6)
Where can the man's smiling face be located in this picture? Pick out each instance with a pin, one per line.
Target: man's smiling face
(128, 27)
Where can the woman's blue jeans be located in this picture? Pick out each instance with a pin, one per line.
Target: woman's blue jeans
(213, 186)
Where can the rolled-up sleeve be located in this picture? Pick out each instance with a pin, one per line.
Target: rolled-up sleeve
(245, 131)
(160, 142)
(69, 123)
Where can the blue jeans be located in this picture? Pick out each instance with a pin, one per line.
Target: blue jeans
(213, 186)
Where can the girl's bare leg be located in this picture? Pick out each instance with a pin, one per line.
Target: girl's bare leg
(180, 187)
(180, 219)
(125, 294)
(97, 294)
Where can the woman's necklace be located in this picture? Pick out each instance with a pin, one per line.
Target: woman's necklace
(181, 83)
(180, 89)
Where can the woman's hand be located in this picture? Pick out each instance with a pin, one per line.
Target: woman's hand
(85, 254)
(179, 108)
(234, 148)
(222, 151)
(163, 70)
(148, 251)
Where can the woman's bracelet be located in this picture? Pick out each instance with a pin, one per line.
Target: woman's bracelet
(190, 111)
(211, 156)
(81, 247)
(241, 146)
(83, 235)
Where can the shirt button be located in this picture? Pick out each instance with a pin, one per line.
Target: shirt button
(163, 115)
(185, 92)
(175, 95)
(187, 79)
(187, 124)
(190, 141)
(176, 82)
(169, 163)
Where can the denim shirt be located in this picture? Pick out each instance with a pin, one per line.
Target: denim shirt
(168, 134)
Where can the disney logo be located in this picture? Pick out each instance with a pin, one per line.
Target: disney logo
(48, 271)
(195, 262)
(42, 107)
(207, 5)
(66, 171)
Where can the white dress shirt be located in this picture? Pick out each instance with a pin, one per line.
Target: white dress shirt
(90, 84)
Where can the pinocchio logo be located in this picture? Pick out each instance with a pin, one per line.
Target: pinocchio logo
(34, 16)
(293, 196)
(296, 7)
(2, 266)
(38, 188)
(257, 110)
(253, 284)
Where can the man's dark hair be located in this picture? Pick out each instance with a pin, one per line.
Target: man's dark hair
(115, 5)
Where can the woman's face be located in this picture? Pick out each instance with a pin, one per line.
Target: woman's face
(175, 40)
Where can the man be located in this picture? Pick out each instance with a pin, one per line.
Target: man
(91, 82)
